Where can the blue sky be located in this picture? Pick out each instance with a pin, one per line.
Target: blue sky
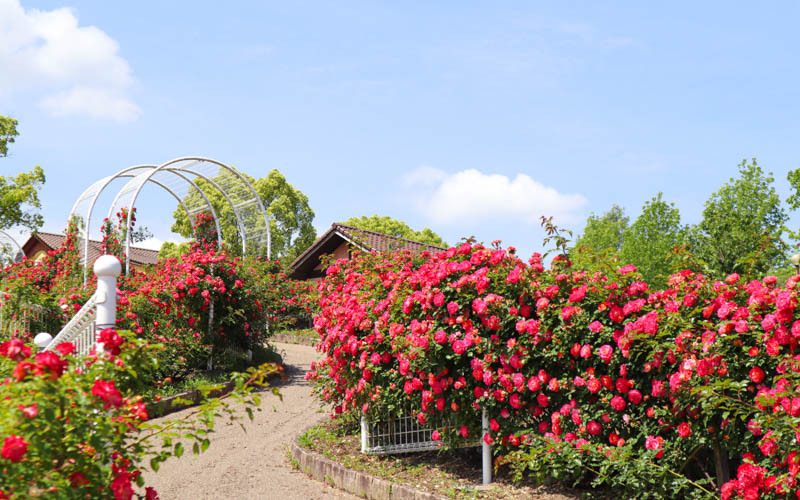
(471, 118)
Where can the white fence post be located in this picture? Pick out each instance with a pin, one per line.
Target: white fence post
(364, 431)
(486, 450)
(107, 268)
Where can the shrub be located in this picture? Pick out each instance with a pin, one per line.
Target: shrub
(73, 427)
(620, 384)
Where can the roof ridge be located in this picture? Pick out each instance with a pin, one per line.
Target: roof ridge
(388, 235)
(61, 235)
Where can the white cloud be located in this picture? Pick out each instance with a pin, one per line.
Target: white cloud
(471, 195)
(150, 244)
(156, 243)
(97, 103)
(77, 69)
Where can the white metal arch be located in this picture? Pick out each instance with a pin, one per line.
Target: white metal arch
(248, 209)
(97, 188)
(10, 251)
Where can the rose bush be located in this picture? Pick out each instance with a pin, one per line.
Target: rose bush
(74, 428)
(594, 378)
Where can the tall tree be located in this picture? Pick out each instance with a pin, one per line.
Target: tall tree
(19, 195)
(8, 130)
(742, 225)
(649, 242)
(394, 227)
(291, 218)
(602, 237)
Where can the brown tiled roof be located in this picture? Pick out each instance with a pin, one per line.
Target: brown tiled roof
(361, 238)
(139, 256)
(380, 242)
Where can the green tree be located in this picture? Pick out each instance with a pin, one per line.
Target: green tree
(394, 227)
(8, 130)
(170, 250)
(602, 238)
(19, 195)
(649, 242)
(742, 225)
(291, 218)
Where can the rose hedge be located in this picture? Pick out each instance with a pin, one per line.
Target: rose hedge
(614, 382)
(168, 303)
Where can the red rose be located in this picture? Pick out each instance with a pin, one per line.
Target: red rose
(618, 403)
(756, 374)
(76, 480)
(66, 348)
(50, 365)
(22, 370)
(111, 341)
(108, 392)
(684, 430)
(14, 448)
(29, 411)
(15, 349)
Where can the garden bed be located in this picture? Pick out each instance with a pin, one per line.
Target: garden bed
(454, 474)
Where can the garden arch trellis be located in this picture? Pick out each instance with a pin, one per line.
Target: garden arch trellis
(180, 178)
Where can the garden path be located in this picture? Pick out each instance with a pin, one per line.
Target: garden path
(253, 465)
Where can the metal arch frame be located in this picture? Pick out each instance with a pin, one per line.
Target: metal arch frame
(148, 178)
(165, 166)
(128, 173)
(177, 173)
(16, 246)
(247, 183)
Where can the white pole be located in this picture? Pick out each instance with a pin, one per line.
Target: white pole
(363, 434)
(107, 268)
(486, 450)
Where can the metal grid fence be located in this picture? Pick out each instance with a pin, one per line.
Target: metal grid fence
(26, 319)
(399, 435)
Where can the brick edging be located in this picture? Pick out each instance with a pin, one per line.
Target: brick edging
(356, 482)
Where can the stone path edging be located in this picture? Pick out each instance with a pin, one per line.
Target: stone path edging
(293, 339)
(191, 398)
(356, 482)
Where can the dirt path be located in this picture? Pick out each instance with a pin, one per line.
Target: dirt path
(253, 465)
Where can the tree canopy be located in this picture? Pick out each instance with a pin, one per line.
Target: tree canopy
(602, 236)
(649, 242)
(19, 195)
(742, 225)
(394, 227)
(8, 130)
(290, 216)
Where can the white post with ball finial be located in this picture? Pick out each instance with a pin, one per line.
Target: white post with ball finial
(107, 268)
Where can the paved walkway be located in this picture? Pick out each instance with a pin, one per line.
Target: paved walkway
(253, 465)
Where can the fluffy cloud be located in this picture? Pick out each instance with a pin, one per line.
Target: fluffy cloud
(77, 69)
(470, 196)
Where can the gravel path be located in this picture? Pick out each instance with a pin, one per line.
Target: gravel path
(253, 465)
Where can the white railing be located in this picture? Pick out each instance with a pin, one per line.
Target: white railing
(406, 435)
(80, 330)
(99, 312)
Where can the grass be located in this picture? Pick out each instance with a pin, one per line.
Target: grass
(455, 474)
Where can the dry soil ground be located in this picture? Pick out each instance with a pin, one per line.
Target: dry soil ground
(253, 465)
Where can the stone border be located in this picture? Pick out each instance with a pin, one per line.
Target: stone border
(292, 339)
(358, 483)
(157, 409)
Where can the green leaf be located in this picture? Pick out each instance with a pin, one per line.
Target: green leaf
(178, 449)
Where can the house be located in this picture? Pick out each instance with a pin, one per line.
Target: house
(340, 240)
(39, 244)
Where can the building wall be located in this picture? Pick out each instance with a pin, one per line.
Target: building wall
(36, 250)
(341, 252)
